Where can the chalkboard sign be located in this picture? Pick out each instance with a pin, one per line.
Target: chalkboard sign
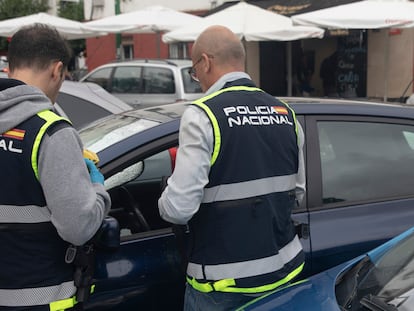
(351, 65)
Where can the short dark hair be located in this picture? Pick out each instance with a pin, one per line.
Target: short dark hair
(36, 46)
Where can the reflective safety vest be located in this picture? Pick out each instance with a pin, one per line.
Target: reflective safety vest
(32, 268)
(242, 239)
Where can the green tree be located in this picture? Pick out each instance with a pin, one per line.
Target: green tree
(73, 11)
(17, 8)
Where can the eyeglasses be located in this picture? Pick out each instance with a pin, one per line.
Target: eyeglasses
(193, 72)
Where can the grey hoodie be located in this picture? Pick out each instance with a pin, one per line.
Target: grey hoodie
(76, 206)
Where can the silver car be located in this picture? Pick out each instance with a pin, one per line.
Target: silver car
(147, 82)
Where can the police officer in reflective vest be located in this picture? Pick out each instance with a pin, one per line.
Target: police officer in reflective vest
(48, 199)
(239, 172)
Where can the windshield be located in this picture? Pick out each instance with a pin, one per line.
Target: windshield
(384, 283)
(112, 130)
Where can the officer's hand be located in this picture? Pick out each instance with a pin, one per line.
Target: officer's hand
(94, 173)
(89, 154)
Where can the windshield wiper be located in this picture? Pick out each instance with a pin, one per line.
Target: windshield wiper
(375, 303)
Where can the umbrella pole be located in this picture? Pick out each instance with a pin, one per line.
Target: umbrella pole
(386, 60)
(289, 67)
(158, 44)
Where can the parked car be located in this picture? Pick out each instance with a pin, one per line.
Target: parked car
(4, 67)
(84, 103)
(147, 82)
(382, 279)
(360, 176)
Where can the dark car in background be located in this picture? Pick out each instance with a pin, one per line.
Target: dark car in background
(84, 103)
(360, 176)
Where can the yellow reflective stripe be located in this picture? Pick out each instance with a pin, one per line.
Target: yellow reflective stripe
(50, 117)
(217, 286)
(216, 131)
(294, 118)
(226, 285)
(61, 305)
(228, 89)
(216, 128)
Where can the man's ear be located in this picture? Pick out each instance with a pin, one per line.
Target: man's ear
(58, 70)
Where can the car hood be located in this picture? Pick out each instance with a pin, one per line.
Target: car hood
(316, 293)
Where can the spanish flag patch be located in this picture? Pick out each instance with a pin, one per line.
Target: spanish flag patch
(280, 109)
(14, 133)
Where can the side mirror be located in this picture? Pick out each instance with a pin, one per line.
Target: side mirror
(108, 236)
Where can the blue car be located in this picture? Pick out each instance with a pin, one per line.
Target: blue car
(360, 192)
(382, 279)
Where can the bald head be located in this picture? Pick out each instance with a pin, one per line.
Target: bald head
(224, 45)
(216, 52)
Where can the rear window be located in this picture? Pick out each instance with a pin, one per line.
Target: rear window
(81, 112)
(100, 77)
(158, 81)
(127, 79)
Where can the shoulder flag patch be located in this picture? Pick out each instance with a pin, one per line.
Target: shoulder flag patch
(280, 109)
(14, 133)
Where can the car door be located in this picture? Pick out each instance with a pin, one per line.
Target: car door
(360, 184)
(300, 216)
(144, 85)
(146, 272)
(127, 83)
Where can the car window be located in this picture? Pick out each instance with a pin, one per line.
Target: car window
(158, 81)
(365, 161)
(127, 79)
(135, 191)
(100, 77)
(190, 86)
(81, 112)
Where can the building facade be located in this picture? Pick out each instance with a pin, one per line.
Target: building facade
(372, 63)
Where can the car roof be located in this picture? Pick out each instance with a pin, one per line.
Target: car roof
(94, 93)
(363, 107)
(162, 62)
(301, 105)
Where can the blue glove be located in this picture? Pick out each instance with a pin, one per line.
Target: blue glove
(94, 173)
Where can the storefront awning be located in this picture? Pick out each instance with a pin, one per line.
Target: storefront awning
(287, 7)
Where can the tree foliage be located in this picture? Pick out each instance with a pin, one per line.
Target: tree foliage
(17, 8)
(73, 11)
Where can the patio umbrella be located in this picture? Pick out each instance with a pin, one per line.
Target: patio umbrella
(152, 19)
(250, 23)
(366, 14)
(69, 29)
